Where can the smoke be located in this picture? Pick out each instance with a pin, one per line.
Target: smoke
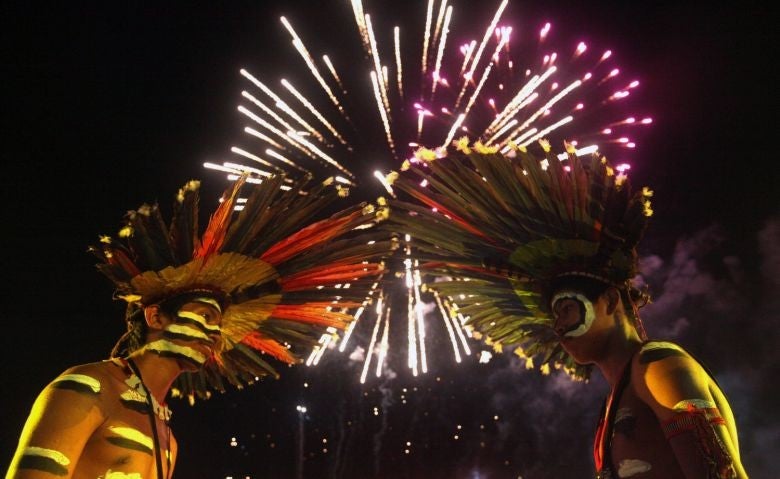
(384, 411)
(358, 354)
(716, 295)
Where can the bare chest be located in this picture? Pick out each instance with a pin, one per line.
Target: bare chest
(639, 449)
(125, 448)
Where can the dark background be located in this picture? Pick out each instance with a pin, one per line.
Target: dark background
(109, 105)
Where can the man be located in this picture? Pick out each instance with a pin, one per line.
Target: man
(94, 419)
(665, 415)
(538, 253)
(201, 309)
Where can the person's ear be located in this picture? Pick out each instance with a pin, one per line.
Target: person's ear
(612, 295)
(153, 317)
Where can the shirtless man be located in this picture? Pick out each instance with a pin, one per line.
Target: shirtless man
(665, 416)
(96, 421)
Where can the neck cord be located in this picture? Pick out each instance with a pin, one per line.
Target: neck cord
(153, 419)
(603, 443)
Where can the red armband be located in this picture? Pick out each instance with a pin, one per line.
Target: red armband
(701, 422)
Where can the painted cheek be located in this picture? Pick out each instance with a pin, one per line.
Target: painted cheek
(166, 348)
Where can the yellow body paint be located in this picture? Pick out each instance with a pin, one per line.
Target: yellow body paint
(132, 437)
(42, 459)
(81, 379)
(55, 456)
(121, 475)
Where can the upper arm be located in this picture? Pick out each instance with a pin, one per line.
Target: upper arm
(680, 393)
(63, 417)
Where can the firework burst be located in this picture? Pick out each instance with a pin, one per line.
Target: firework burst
(426, 83)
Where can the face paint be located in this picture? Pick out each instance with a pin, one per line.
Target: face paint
(130, 438)
(632, 467)
(165, 348)
(189, 317)
(121, 475)
(47, 460)
(77, 382)
(210, 301)
(589, 316)
(186, 332)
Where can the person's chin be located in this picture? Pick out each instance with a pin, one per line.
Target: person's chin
(572, 347)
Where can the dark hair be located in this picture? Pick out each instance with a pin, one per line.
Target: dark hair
(135, 336)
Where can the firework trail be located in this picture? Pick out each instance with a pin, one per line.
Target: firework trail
(498, 87)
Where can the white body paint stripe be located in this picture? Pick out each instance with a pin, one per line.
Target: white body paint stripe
(55, 456)
(121, 475)
(653, 345)
(133, 435)
(632, 467)
(88, 381)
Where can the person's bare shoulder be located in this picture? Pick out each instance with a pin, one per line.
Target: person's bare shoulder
(96, 380)
(664, 374)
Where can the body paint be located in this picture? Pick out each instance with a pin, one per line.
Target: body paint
(198, 320)
(121, 475)
(77, 382)
(130, 438)
(625, 421)
(165, 348)
(186, 332)
(47, 460)
(135, 399)
(653, 345)
(632, 467)
(590, 314)
(213, 302)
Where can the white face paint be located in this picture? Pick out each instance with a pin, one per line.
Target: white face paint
(590, 314)
(164, 347)
(189, 332)
(200, 320)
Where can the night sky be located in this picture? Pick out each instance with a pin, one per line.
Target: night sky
(106, 107)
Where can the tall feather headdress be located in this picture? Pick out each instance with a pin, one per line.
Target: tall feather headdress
(280, 274)
(494, 230)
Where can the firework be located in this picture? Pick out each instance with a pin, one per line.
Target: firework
(499, 88)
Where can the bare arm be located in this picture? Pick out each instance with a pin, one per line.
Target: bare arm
(62, 419)
(680, 393)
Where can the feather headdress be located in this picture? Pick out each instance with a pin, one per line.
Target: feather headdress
(277, 271)
(495, 230)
